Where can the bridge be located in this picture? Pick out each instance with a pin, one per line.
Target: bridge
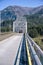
(20, 50)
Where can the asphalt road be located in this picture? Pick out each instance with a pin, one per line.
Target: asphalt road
(8, 49)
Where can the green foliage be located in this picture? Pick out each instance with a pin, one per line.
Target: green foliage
(7, 25)
(34, 19)
(33, 33)
(34, 24)
(5, 29)
(40, 29)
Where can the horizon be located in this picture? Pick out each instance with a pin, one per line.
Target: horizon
(22, 3)
(21, 6)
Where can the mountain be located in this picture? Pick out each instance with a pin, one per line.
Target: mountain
(13, 12)
(37, 10)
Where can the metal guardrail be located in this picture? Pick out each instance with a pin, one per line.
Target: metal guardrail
(39, 49)
(28, 54)
(35, 58)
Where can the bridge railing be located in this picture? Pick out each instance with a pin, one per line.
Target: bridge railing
(35, 58)
(39, 49)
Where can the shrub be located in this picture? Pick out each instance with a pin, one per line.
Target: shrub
(33, 33)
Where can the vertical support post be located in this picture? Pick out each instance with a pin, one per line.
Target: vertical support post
(0, 22)
(13, 26)
(26, 27)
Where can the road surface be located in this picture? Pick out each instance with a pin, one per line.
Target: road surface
(8, 49)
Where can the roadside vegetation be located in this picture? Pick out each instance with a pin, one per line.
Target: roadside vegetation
(7, 26)
(39, 41)
(35, 31)
(35, 28)
(34, 25)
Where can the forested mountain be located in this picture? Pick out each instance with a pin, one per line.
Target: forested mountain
(34, 17)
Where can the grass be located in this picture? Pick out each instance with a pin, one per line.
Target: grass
(39, 41)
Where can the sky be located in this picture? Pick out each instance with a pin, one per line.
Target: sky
(24, 3)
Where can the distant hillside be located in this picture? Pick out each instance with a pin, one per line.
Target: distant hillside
(14, 11)
(37, 9)
(36, 16)
(34, 19)
(35, 23)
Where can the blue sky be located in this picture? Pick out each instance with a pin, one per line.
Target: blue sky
(24, 3)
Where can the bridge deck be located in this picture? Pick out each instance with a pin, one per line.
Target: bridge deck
(8, 49)
(18, 50)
